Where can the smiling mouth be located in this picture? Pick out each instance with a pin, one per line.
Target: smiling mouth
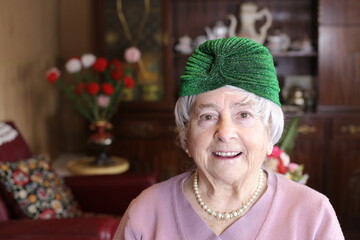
(227, 154)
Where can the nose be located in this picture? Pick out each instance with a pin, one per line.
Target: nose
(226, 130)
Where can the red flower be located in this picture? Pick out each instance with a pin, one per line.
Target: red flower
(282, 169)
(52, 74)
(80, 88)
(117, 74)
(20, 177)
(100, 64)
(129, 82)
(93, 88)
(108, 89)
(47, 214)
(116, 63)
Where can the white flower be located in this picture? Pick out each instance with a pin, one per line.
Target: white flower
(22, 194)
(73, 65)
(132, 55)
(88, 60)
(285, 158)
(32, 208)
(56, 205)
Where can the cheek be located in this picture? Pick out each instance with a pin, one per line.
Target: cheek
(257, 142)
(198, 140)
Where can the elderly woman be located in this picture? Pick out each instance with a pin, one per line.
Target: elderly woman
(229, 118)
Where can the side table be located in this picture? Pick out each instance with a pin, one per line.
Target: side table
(76, 164)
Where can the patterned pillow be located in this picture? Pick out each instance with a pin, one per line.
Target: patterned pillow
(37, 190)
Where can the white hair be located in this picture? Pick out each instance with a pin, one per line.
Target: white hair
(269, 112)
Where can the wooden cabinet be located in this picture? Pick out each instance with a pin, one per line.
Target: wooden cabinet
(339, 100)
(339, 71)
(344, 171)
(334, 12)
(311, 138)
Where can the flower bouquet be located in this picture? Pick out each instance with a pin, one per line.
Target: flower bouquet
(98, 87)
(279, 161)
(96, 93)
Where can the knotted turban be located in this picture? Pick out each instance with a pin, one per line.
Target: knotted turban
(234, 61)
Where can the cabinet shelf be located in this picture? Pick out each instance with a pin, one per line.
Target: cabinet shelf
(295, 54)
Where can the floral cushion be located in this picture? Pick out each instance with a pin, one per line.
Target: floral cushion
(37, 190)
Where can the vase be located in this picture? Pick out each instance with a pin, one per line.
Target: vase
(100, 141)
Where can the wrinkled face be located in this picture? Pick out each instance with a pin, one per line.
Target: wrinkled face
(226, 139)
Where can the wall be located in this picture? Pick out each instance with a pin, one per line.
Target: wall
(35, 35)
(28, 46)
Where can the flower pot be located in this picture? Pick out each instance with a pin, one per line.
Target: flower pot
(100, 141)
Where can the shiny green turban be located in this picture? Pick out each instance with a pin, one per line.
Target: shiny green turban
(234, 61)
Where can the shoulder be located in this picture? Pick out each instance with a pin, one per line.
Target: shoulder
(159, 194)
(148, 211)
(291, 189)
(303, 209)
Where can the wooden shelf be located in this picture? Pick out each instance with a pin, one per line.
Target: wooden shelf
(295, 54)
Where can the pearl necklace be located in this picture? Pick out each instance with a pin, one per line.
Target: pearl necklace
(232, 214)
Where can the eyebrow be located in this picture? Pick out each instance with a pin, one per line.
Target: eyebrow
(213, 106)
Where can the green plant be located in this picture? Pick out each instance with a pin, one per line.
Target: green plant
(288, 138)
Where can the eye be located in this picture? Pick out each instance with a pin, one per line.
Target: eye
(206, 117)
(244, 115)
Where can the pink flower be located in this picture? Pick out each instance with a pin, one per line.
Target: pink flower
(73, 65)
(103, 101)
(132, 55)
(20, 177)
(52, 74)
(293, 167)
(88, 60)
(276, 152)
(47, 214)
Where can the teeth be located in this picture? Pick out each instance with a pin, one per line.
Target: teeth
(226, 154)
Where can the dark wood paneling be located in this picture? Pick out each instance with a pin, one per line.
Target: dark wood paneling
(344, 180)
(339, 70)
(339, 12)
(311, 138)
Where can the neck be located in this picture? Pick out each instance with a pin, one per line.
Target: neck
(229, 205)
(224, 191)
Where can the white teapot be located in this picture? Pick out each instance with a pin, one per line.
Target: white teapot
(279, 42)
(218, 31)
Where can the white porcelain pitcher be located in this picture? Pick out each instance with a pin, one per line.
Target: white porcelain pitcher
(249, 15)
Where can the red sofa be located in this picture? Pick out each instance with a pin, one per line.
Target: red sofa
(103, 198)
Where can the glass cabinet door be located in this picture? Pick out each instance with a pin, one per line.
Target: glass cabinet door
(142, 24)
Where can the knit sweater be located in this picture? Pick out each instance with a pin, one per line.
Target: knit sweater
(287, 210)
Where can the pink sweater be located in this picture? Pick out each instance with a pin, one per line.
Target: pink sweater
(287, 210)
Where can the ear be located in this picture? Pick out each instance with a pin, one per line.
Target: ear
(270, 149)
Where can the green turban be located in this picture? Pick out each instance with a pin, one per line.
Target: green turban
(234, 61)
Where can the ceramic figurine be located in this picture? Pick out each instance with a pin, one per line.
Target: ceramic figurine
(184, 45)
